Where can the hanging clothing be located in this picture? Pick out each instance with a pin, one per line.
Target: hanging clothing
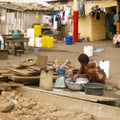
(116, 19)
(81, 8)
(63, 15)
(92, 13)
(97, 15)
(59, 23)
(55, 23)
(52, 19)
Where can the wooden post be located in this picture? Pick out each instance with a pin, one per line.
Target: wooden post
(75, 25)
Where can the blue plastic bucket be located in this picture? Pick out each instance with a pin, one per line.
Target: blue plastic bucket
(62, 71)
(69, 40)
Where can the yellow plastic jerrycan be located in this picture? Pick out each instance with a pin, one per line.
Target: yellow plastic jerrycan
(37, 30)
(50, 42)
(44, 41)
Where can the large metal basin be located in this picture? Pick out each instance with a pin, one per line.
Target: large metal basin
(76, 85)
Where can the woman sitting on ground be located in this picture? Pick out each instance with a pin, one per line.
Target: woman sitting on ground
(89, 70)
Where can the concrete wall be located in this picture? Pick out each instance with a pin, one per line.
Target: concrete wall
(30, 19)
(11, 20)
(118, 5)
(85, 27)
(92, 28)
(98, 28)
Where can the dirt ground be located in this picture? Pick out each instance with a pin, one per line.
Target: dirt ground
(61, 51)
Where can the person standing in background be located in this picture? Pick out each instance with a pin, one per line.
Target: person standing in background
(119, 16)
(116, 19)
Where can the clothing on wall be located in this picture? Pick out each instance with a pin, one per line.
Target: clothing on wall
(116, 18)
(59, 23)
(47, 19)
(52, 19)
(55, 23)
(71, 25)
(81, 8)
(63, 16)
(97, 16)
(66, 15)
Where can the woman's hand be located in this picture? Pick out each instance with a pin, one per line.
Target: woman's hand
(79, 76)
(75, 76)
(83, 75)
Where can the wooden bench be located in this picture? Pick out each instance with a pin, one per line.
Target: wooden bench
(13, 41)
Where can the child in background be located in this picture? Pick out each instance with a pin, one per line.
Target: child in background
(89, 70)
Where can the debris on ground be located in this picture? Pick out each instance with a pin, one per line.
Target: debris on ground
(28, 71)
(13, 106)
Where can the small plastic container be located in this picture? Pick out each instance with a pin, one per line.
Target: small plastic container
(62, 71)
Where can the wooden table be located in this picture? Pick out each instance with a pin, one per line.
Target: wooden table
(12, 41)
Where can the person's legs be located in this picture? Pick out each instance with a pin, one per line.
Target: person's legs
(113, 30)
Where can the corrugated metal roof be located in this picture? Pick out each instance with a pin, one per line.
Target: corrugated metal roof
(105, 3)
(23, 5)
(26, 6)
